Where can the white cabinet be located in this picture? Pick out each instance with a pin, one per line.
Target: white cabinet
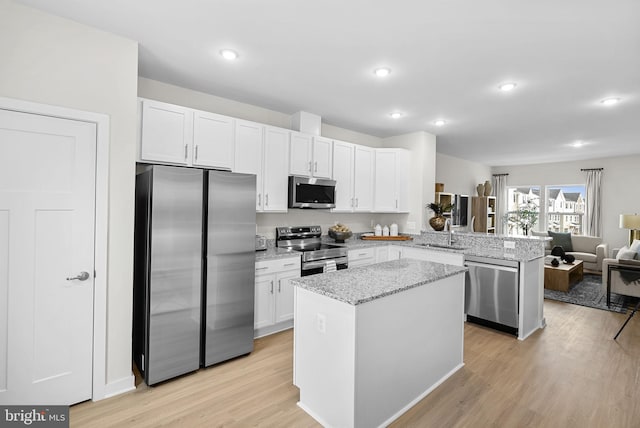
(391, 180)
(213, 142)
(362, 257)
(310, 156)
(395, 252)
(353, 172)
(382, 253)
(276, 165)
(263, 151)
(273, 309)
(179, 135)
(165, 133)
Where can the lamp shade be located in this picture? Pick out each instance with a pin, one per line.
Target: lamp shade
(630, 221)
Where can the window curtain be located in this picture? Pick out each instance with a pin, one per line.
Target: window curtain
(500, 192)
(593, 217)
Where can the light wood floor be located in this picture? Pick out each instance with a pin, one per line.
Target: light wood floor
(570, 374)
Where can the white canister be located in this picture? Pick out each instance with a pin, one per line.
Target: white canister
(393, 230)
(385, 230)
(378, 231)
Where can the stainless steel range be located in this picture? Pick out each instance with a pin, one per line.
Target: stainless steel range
(317, 257)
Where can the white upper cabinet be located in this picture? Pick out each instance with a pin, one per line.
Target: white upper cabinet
(310, 156)
(364, 162)
(165, 133)
(391, 180)
(264, 151)
(179, 135)
(213, 142)
(276, 165)
(343, 163)
(353, 172)
(249, 152)
(322, 157)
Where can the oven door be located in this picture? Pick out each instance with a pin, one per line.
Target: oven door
(322, 266)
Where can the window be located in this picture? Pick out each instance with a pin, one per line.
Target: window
(565, 208)
(523, 209)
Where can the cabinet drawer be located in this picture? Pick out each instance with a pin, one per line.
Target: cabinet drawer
(277, 265)
(361, 254)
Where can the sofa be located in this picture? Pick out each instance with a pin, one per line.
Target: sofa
(590, 249)
(623, 282)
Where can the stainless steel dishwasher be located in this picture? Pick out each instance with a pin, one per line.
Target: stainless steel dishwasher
(491, 293)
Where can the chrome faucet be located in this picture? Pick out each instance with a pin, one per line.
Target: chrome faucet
(447, 226)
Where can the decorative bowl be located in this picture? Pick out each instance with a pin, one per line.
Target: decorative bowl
(339, 236)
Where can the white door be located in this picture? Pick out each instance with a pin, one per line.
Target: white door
(264, 301)
(166, 132)
(363, 178)
(248, 154)
(385, 199)
(47, 203)
(322, 157)
(300, 152)
(343, 175)
(276, 164)
(284, 301)
(213, 143)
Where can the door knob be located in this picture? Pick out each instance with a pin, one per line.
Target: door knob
(82, 276)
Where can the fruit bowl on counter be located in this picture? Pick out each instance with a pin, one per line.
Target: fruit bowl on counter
(339, 233)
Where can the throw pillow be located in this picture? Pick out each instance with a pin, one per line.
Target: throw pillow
(561, 239)
(626, 253)
(635, 245)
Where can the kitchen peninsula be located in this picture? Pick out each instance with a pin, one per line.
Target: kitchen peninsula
(370, 342)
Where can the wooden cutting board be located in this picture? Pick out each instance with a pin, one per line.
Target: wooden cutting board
(387, 238)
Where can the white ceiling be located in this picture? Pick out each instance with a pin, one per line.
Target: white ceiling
(447, 59)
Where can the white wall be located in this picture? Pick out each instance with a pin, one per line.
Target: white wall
(460, 176)
(620, 189)
(50, 60)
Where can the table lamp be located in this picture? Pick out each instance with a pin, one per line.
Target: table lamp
(631, 222)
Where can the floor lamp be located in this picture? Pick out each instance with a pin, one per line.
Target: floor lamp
(631, 222)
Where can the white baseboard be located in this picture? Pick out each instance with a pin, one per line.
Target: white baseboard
(118, 387)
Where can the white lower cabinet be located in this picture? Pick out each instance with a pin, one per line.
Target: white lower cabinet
(362, 257)
(382, 253)
(273, 309)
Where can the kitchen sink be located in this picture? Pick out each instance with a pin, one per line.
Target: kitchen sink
(448, 247)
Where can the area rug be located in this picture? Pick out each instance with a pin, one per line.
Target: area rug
(588, 292)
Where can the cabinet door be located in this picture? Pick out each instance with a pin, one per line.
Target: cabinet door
(300, 154)
(249, 153)
(264, 304)
(385, 198)
(165, 133)
(322, 157)
(382, 254)
(363, 178)
(415, 253)
(403, 168)
(213, 143)
(395, 252)
(276, 165)
(343, 175)
(284, 295)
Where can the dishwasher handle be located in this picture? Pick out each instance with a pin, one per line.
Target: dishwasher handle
(490, 266)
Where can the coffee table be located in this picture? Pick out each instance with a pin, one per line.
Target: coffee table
(561, 278)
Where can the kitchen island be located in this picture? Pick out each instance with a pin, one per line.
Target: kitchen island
(371, 342)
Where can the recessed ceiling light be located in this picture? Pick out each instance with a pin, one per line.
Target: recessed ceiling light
(382, 72)
(229, 54)
(610, 101)
(508, 86)
(440, 122)
(395, 115)
(578, 143)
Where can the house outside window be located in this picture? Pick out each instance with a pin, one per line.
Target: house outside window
(523, 209)
(565, 208)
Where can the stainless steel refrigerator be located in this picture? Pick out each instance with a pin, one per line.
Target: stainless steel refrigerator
(194, 269)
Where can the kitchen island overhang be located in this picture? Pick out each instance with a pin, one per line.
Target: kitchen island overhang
(370, 342)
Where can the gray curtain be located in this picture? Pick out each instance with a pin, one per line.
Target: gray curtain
(593, 217)
(500, 192)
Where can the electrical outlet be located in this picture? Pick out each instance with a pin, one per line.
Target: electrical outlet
(509, 244)
(321, 323)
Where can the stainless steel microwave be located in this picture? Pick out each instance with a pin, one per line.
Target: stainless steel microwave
(305, 192)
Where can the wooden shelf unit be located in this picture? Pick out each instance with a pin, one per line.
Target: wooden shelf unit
(483, 208)
(445, 199)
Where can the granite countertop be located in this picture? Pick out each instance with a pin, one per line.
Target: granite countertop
(272, 253)
(363, 284)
